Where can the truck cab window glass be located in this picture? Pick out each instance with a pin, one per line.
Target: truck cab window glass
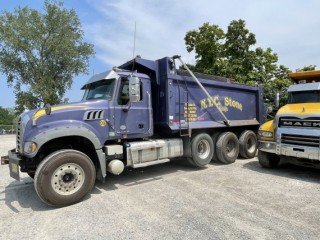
(304, 97)
(100, 90)
(123, 98)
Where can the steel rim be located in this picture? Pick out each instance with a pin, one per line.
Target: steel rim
(231, 148)
(203, 149)
(67, 179)
(251, 145)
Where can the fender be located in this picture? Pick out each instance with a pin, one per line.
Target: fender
(63, 131)
(70, 130)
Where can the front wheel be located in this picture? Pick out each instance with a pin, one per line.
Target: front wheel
(268, 160)
(64, 177)
(248, 144)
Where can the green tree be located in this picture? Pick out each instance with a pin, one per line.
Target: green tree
(233, 55)
(306, 68)
(41, 52)
(7, 116)
(207, 42)
(240, 59)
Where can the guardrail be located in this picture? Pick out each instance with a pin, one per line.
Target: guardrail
(7, 129)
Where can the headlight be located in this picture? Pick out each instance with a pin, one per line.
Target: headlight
(265, 134)
(30, 147)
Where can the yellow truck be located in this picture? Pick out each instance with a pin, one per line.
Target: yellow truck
(293, 136)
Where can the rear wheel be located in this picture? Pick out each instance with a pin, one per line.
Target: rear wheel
(215, 138)
(268, 160)
(227, 147)
(248, 144)
(64, 177)
(201, 149)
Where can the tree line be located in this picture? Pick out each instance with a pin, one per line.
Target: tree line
(42, 51)
(233, 54)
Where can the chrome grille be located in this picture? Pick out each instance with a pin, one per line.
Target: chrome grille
(300, 140)
(19, 134)
(298, 123)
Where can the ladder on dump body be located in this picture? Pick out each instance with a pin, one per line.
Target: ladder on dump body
(226, 121)
(183, 131)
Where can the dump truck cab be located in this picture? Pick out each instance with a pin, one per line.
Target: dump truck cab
(293, 135)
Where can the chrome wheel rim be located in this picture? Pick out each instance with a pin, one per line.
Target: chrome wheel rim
(203, 149)
(67, 179)
(251, 145)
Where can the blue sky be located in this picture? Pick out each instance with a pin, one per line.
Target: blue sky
(289, 27)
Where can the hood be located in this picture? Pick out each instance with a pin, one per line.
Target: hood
(300, 109)
(68, 108)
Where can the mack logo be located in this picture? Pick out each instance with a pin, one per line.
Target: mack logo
(300, 123)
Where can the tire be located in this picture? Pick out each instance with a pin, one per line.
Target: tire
(248, 144)
(201, 150)
(268, 160)
(227, 147)
(64, 177)
(215, 138)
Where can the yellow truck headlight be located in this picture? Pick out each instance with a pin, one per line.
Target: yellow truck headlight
(30, 147)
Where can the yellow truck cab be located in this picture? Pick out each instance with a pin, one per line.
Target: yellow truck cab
(294, 134)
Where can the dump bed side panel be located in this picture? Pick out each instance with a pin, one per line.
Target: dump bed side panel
(189, 107)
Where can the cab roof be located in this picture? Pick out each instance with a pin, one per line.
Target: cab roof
(308, 76)
(115, 73)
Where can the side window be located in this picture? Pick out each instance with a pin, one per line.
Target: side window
(123, 98)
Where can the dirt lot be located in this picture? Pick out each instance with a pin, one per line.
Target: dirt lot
(171, 201)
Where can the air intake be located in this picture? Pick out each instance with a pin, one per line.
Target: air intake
(93, 115)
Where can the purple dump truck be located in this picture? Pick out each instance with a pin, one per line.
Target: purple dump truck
(139, 114)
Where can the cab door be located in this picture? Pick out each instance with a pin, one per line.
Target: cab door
(133, 119)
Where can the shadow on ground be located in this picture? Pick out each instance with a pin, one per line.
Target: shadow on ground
(22, 194)
(287, 171)
(136, 176)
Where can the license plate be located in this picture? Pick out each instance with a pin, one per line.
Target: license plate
(14, 168)
(14, 171)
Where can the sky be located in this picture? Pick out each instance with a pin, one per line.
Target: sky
(289, 27)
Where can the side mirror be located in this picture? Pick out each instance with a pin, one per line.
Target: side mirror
(269, 109)
(134, 89)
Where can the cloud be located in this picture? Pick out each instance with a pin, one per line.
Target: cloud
(289, 27)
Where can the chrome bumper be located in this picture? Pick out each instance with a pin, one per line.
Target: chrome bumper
(267, 146)
(311, 153)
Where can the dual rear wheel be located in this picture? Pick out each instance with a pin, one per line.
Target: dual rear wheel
(229, 146)
(224, 147)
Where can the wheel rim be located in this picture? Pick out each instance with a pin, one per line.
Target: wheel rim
(251, 145)
(231, 148)
(67, 179)
(203, 149)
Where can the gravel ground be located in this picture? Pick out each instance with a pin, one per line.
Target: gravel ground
(171, 201)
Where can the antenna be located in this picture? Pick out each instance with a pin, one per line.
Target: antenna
(134, 45)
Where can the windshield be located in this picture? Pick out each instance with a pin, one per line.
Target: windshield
(304, 97)
(99, 90)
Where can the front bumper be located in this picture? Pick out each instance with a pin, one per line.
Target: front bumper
(14, 162)
(312, 153)
(267, 146)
